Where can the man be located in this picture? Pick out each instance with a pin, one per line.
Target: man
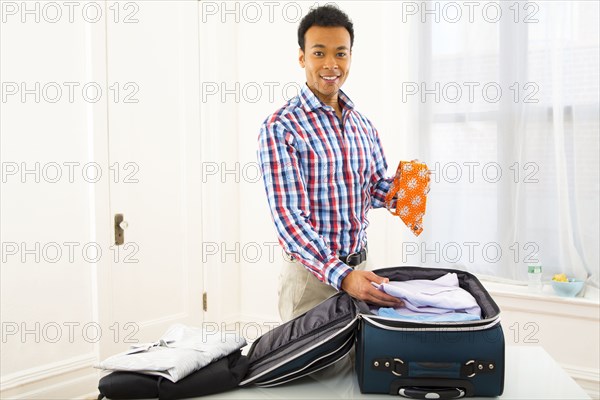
(323, 169)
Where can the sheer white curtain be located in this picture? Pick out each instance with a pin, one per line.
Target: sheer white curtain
(509, 122)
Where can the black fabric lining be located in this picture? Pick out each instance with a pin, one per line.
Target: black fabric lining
(337, 310)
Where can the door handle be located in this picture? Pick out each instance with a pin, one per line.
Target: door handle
(120, 226)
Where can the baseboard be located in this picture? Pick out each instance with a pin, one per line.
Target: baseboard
(46, 371)
(587, 378)
(77, 384)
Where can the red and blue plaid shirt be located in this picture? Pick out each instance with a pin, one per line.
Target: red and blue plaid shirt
(321, 180)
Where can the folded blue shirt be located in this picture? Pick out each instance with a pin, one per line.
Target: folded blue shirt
(446, 317)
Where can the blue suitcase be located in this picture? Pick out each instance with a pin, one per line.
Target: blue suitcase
(432, 360)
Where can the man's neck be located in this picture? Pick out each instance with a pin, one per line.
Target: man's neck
(332, 101)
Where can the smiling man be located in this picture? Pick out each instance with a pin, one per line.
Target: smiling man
(323, 169)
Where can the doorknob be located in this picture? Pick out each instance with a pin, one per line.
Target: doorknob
(120, 226)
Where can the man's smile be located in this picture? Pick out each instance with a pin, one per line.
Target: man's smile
(330, 78)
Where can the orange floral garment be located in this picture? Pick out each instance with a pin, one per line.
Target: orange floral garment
(410, 186)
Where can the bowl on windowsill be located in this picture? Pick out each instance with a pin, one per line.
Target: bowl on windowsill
(571, 288)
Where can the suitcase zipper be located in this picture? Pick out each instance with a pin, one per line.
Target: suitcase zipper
(446, 328)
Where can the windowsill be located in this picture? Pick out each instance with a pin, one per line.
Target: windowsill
(518, 298)
(591, 295)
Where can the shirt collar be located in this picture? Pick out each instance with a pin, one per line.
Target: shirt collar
(310, 101)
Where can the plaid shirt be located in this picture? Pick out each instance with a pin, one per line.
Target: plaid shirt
(321, 180)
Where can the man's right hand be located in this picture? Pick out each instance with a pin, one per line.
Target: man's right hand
(358, 285)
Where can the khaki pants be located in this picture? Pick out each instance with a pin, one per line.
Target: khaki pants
(299, 290)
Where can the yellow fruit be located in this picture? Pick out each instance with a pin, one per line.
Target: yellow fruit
(560, 278)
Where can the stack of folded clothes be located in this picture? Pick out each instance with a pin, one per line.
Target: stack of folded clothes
(184, 362)
(439, 300)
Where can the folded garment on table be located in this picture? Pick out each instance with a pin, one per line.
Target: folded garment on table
(179, 352)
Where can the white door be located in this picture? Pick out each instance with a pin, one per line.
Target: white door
(155, 278)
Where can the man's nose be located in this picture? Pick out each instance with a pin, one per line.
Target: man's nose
(330, 63)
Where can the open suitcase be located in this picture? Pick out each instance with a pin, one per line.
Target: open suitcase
(411, 359)
(432, 360)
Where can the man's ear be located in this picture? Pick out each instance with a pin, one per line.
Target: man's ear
(301, 57)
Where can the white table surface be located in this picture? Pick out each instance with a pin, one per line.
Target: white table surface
(530, 373)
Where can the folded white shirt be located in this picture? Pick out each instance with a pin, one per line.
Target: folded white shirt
(179, 352)
(439, 296)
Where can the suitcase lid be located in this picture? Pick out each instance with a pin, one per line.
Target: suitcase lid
(307, 343)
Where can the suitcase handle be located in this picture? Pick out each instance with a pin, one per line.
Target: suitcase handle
(413, 392)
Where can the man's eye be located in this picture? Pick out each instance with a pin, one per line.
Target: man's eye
(341, 54)
(318, 53)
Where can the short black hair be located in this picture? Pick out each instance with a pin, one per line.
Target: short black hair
(327, 15)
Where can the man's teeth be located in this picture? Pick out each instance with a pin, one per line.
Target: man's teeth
(329, 78)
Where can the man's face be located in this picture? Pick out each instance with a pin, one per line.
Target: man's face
(326, 59)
